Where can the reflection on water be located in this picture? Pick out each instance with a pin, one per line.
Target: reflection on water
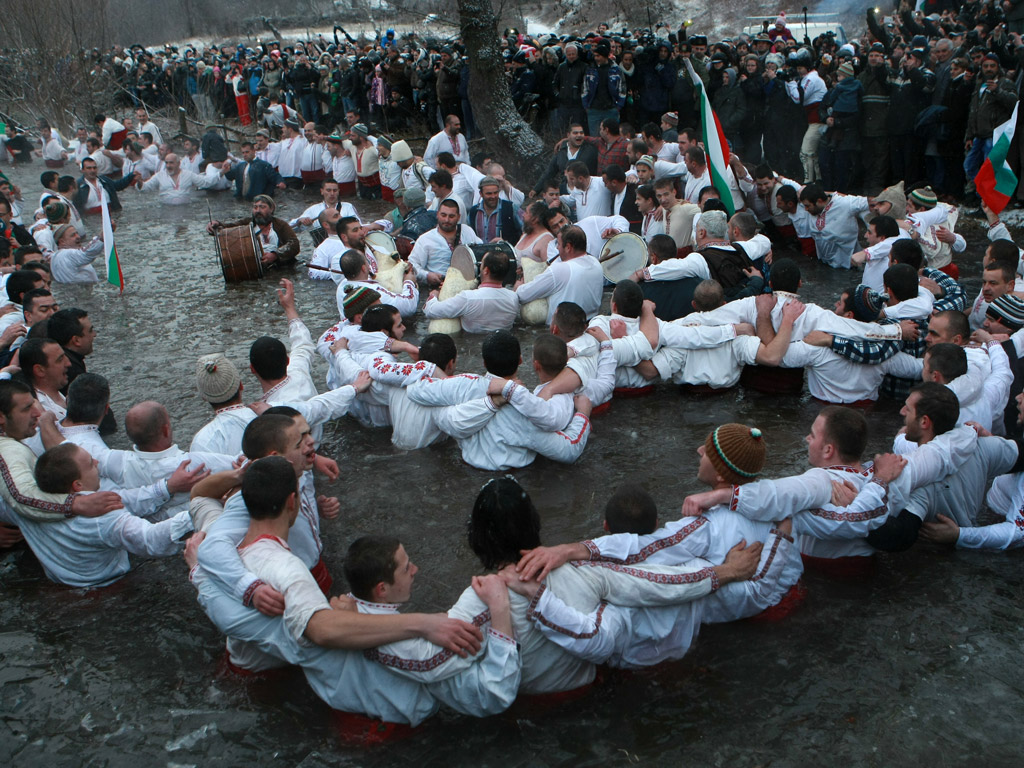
(909, 666)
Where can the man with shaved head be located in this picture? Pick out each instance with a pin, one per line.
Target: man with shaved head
(154, 455)
(172, 183)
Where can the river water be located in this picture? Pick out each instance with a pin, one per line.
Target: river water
(917, 664)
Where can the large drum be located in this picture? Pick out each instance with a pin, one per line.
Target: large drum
(319, 234)
(623, 255)
(240, 254)
(404, 245)
(480, 250)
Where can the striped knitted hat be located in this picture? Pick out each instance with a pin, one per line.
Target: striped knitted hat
(647, 160)
(736, 451)
(358, 298)
(924, 197)
(1008, 310)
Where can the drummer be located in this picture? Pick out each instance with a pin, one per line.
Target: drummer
(432, 253)
(328, 253)
(279, 241)
(600, 229)
(575, 277)
(491, 307)
(329, 198)
(494, 219)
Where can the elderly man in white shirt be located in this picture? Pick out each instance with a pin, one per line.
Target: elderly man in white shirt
(71, 263)
(173, 184)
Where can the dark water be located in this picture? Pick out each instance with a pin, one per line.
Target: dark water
(918, 664)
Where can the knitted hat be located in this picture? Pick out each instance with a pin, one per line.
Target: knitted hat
(358, 299)
(781, 19)
(400, 152)
(897, 197)
(217, 378)
(385, 142)
(846, 68)
(293, 124)
(61, 231)
(924, 197)
(360, 130)
(335, 138)
(867, 304)
(603, 48)
(1008, 310)
(266, 199)
(736, 451)
(414, 197)
(671, 118)
(55, 212)
(647, 160)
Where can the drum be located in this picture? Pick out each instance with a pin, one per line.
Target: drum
(480, 250)
(240, 254)
(623, 255)
(319, 234)
(404, 245)
(381, 243)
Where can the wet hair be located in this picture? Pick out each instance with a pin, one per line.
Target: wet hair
(551, 353)
(631, 510)
(847, 430)
(266, 486)
(614, 173)
(501, 353)
(812, 193)
(66, 184)
(439, 349)
(570, 319)
(265, 435)
(343, 224)
(29, 299)
(696, 155)
(441, 178)
(1004, 252)
(379, 317)
(706, 195)
(1006, 271)
(901, 281)
(907, 251)
(504, 522)
(785, 275)
(578, 168)
(938, 403)
(885, 226)
(20, 282)
(56, 470)
(611, 125)
(31, 354)
(651, 130)
(713, 204)
(447, 160)
(786, 194)
(497, 263)
(87, 399)
(352, 262)
(708, 295)
(764, 171)
(64, 324)
(628, 298)
(957, 323)
(269, 358)
(283, 410)
(663, 246)
(948, 360)
(369, 561)
(575, 238)
(8, 389)
(46, 178)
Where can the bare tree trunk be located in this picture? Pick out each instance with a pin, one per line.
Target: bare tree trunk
(493, 110)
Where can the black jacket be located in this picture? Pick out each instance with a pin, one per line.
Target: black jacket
(112, 187)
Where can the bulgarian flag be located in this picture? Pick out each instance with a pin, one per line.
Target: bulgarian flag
(715, 146)
(996, 180)
(114, 276)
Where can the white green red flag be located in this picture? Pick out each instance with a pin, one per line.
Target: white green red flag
(114, 276)
(996, 180)
(716, 148)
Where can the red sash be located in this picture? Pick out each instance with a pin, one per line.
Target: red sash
(226, 667)
(387, 193)
(597, 410)
(373, 180)
(807, 247)
(347, 188)
(789, 603)
(117, 139)
(952, 270)
(54, 163)
(322, 576)
(313, 177)
(359, 730)
(634, 391)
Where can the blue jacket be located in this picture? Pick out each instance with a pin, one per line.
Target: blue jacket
(616, 84)
(263, 178)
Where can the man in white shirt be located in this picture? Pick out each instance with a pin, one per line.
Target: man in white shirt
(491, 307)
(576, 276)
(834, 226)
(145, 125)
(448, 140)
(265, 149)
(882, 232)
(289, 160)
(173, 184)
(356, 272)
(432, 254)
(70, 263)
(192, 157)
(589, 193)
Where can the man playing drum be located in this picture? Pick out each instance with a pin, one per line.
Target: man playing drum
(279, 242)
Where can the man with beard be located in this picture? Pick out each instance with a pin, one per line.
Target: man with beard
(432, 253)
(252, 176)
(279, 241)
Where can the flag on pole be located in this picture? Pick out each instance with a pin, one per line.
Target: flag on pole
(114, 275)
(996, 180)
(715, 146)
